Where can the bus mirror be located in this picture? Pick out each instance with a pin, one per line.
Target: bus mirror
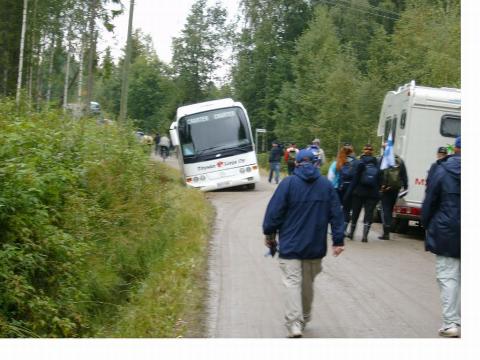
(174, 137)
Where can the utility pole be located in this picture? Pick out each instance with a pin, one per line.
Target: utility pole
(126, 65)
(22, 46)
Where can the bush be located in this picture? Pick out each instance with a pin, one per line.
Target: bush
(81, 216)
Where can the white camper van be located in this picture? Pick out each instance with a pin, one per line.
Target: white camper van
(215, 145)
(421, 119)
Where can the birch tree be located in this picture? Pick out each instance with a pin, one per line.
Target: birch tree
(22, 46)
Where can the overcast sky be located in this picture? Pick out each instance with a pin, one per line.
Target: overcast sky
(162, 19)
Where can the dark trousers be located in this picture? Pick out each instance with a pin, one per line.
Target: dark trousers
(389, 198)
(346, 204)
(367, 203)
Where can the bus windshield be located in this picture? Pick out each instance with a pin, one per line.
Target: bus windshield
(209, 132)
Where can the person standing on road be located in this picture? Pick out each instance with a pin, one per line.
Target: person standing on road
(364, 191)
(290, 155)
(165, 145)
(300, 210)
(442, 155)
(441, 217)
(156, 140)
(317, 152)
(393, 177)
(274, 160)
(341, 173)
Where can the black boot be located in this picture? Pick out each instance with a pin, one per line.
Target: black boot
(366, 229)
(386, 233)
(352, 230)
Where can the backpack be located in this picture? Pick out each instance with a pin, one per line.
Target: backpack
(391, 176)
(292, 154)
(369, 176)
(346, 173)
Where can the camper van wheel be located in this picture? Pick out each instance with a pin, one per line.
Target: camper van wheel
(399, 226)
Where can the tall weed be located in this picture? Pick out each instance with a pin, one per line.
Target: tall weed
(82, 220)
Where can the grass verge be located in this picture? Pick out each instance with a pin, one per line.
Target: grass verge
(170, 301)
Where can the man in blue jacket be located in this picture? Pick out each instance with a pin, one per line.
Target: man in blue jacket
(441, 217)
(300, 210)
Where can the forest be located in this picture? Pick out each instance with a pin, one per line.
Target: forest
(303, 69)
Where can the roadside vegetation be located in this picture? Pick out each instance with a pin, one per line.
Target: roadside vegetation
(96, 239)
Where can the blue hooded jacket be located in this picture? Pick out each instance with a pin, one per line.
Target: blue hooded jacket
(300, 210)
(441, 209)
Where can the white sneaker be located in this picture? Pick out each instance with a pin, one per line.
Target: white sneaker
(450, 331)
(295, 331)
(306, 320)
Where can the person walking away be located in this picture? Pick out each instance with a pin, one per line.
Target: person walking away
(156, 140)
(289, 156)
(300, 210)
(364, 191)
(341, 173)
(442, 155)
(317, 152)
(393, 177)
(165, 145)
(274, 160)
(441, 217)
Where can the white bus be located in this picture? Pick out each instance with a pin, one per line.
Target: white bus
(215, 145)
(421, 120)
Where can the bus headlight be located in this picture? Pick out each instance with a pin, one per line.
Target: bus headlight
(242, 170)
(202, 177)
(195, 179)
(249, 169)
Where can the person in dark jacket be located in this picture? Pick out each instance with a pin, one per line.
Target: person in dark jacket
(364, 191)
(441, 217)
(389, 189)
(300, 210)
(340, 174)
(274, 160)
(442, 155)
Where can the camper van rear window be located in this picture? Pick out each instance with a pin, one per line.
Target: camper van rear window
(450, 125)
(403, 119)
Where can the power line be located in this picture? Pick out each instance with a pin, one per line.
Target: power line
(357, 9)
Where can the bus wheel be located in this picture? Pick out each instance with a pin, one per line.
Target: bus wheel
(251, 186)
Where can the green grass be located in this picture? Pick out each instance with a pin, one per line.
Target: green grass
(170, 301)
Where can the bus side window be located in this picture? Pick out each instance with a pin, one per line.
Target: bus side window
(403, 119)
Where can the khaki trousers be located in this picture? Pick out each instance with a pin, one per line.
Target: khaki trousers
(298, 277)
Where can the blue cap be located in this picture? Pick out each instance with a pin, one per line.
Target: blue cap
(305, 155)
(458, 143)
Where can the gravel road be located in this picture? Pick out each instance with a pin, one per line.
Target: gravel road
(379, 289)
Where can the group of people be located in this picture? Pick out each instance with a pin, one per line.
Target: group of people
(162, 145)
(306, 203)
(289, 155)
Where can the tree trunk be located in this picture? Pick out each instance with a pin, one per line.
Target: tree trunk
(126, 64)
(67, 70)
(50, 70)
(38, 90)
(91, 53)
(80, 67)
(22, 46)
